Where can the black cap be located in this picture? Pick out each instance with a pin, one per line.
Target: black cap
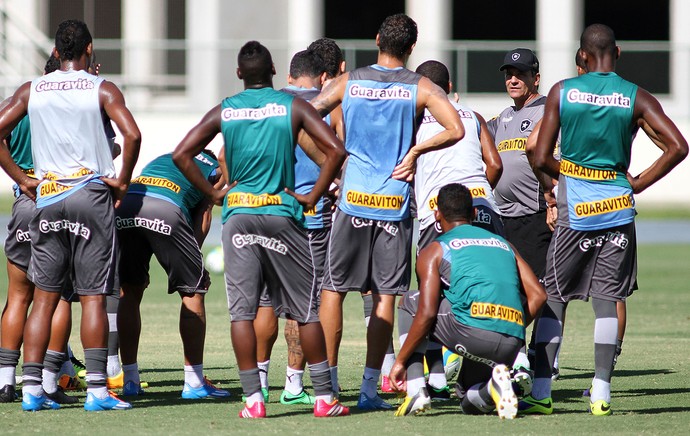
(523, 59)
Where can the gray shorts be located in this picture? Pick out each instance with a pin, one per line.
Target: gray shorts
(74, 240)
(18, 242)
(485, 217)
(149, 226)
(272, 252)
(480, 349)
(318, 241)
(366, 254)
(598, 263)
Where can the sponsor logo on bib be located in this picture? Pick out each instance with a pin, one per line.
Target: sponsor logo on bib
(243, 199)
(393, 93)
(157, 181)
(374, 201)
(268, 111)
(612, 100)
(67, 85)
(579, 172)
(496, 311)
(606, 205)
(515, 144)
(457, 244)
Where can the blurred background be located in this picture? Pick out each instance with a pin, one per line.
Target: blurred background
(175, 59)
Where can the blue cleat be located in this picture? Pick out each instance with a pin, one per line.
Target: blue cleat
(131, 389)
(207, 390)
(111, 402)
(372, 403)
(31, 403)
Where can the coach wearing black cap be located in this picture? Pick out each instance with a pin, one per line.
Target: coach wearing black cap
(518, 193)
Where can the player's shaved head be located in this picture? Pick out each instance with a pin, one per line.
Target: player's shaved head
(437, 73)
(598, 40)
(455, 203)
(397, 35)
(255, 63)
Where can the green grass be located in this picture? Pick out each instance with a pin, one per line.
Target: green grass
(651, 388)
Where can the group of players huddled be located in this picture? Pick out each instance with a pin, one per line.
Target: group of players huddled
(319, 184)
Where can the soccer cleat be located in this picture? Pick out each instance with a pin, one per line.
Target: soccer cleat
(116, 382)
(522, 381)
(600, 408)
(442, 394)
(501, 389)
(31, 403)
(372, 403)
(131, 389)
(322, 409)
(258, 410)
(60, 397)
(386, 385)
(110, 402)
(78, 366)
(206, 390)
(8, 394)
(415, 404)
(529, 405)
(69, 383)
(302, 398)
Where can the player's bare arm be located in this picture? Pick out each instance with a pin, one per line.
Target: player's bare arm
(305, 117)
(432, 97)
(542, 158)
(429, 301)
(192, 144)
(648, 110)
(331, 96)
(113, 103)
(547, 183)
(12, 112)
(530, 286)
(490, 156)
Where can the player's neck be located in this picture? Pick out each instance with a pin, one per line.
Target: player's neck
(388, 61)
(519, 104)
(304, 82)
(447, 226)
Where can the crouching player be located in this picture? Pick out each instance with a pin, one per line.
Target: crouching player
(465, 305)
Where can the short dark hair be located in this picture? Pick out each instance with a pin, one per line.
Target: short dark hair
(255, 62)
(71, 39)
(330, 53)
(52, 64)
(437, 73)
(598, 39)
(397, 35)
(306, 63)
(455, 202)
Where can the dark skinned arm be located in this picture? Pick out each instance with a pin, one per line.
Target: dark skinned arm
(543, 159)
(429, 299)
(490, 156)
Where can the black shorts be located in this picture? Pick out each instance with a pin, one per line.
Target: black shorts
(530, 235)
(18, 242)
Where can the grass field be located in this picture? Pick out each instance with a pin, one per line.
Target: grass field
(651, 386)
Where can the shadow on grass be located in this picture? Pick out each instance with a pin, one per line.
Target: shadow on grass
(582, 373)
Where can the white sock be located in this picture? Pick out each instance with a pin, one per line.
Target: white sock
(541, 388)
(328, 398)
(521, 360)
(131, 373)
(334, 377)
(437, 381)
(99, 393)
(293, 381)
(555, 361)
(263, 372)
(7, 375)
(49, 381)
(114, 367)
(254, 398)
(194, 375)
(370, 381)
(414, 385)
(67, 368)
(388, 362)
(601, 390)
(35, 390)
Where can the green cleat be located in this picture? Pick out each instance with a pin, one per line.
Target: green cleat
(302, 398)
(529, 405)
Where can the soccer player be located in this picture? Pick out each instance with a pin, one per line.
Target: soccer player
(371, 234)
(75, 190)
(593, 250)
(164, 215)
(264, 241)
(463, 304)
(464, 163)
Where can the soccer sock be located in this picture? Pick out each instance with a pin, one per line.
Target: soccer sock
(293, 380)
(388, 361)
(32, 375)
(251, 386)
(131, 373)
(9, 359)
(95, 360)
(415, 373)
(194, 375)
(548, 339)
(522, 360)
(605, 339)
(321, 380)
(434, 360)
(404, 323)
(370, 381)
(334, 378)
(111, 304)
(51, 367)
(477, 400)
(368, 306)
(263, 372)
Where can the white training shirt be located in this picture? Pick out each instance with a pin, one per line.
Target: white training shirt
(460, 163)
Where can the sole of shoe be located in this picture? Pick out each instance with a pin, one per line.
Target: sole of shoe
(502, 393)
